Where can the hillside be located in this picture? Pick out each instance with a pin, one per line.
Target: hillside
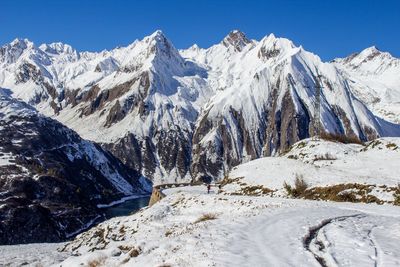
(51, 180)
(191, 228)
(358, 173)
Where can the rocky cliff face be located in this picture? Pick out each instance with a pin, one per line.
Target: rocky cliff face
(190, 114)
(51, 180)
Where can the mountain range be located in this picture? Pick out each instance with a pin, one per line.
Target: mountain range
(192, 114)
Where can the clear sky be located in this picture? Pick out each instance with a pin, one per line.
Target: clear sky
(329, 28)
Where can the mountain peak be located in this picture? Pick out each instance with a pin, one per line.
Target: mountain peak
(159, 44)
(373, 50)
(158, 37)
(194, 47)
(21, 43)
(157, 34)
(271, 47)
(236, 39)
(11, 52)
(271, 39)
(57, 48)
(368, 54)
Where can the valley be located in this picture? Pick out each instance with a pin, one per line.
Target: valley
(86, 137)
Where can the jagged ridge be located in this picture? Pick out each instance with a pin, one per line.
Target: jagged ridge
(190, 114)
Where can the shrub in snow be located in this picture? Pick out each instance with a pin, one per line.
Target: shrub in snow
(300, 187)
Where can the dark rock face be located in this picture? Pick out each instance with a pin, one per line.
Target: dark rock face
(237, 39)
(28, 72)
(95, 100)
(50, 188)
(129, 151)
(27, 223)
(266, 54)
(172, 147)
(345, 123)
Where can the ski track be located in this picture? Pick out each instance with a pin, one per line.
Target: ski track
(311, 238)
(298, 240)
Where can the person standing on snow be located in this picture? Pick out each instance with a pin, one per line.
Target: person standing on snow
(208, 188)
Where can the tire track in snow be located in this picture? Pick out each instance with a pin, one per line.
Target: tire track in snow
(313, 233)
(373, 243)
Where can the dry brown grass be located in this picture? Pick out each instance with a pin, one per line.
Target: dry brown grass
(351, 192)
(206, 217)
(228, 180)
(97, 262)
(168, 232)
(326, 156)
(343, 193)
(245, 189)
(392, 146)
(134, 252)
(300, 187)
(255, 190)
(124, 248)
(397, 196)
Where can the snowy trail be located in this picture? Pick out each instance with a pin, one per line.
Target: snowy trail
(246, 231)
(40, 254)
(357, 240)
(317, 246)
(315, 237)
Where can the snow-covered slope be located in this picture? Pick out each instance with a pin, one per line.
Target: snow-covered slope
(191, 228)
(374, 77)
(229, 227)
(373, 165)
(51, 180)
(190, 114)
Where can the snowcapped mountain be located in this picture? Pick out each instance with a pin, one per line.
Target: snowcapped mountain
(50, 179)
(189, 114)
(374, 78)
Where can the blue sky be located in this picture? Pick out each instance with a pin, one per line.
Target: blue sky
(329, 28)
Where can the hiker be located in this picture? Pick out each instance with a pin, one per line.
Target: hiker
(208, 188)
(219, 188)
